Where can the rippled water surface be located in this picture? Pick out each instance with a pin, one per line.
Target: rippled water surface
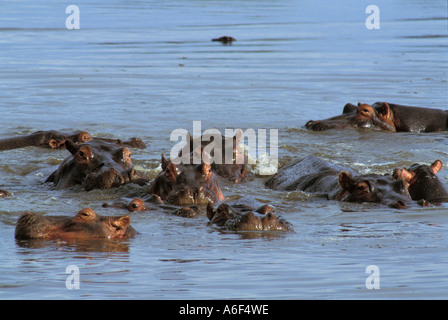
(145, 68)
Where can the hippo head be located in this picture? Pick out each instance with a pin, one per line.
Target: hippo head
(95, 165)
(88, 224)
(373, 188)
(165, 180)
(57, 141)
(233, 168)
(224, 154)
(423, 183)
(228, 218)
(85, 225)
(195, 184)
(186, 184)
(377, 119)
(221, 215)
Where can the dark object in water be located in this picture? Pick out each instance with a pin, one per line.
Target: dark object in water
(225, 39)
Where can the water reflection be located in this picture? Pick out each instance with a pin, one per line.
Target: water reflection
(77, 245)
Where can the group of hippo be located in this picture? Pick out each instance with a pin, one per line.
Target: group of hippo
(189, 189)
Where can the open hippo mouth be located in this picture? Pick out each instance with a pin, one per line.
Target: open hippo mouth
(188, 196)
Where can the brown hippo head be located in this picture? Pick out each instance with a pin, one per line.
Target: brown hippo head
(85, 225)
(96, 165)
(423, 183)
(230, 218)
(195, 184)
(186, 184)
(372, 188)
(374, 118)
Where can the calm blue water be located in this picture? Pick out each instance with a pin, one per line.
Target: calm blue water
(145, 68)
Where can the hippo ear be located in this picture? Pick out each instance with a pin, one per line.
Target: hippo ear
(407, 175)
(71, 147)
(165, 162)
(436, 166)
(237, 136)
(122, 222)
(189, 139)
(210, 211)
(345, 180)
(205, 168)
(385, 110)
(359, 104)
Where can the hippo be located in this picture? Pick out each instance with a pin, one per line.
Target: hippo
(53, 139)
(187, 211)
(186, 184)
(152, 202)
(225, 39)
(85, 225)
(145, 203)
(386, 117)
(314, 175)
(131, 143)
(96, 165)
(423, 183)
(132, 205)
(243, 218)
(237, 171)
(234, 169)
(45, 139)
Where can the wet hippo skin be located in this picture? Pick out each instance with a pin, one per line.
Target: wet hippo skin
(315, 175)
(85, 225)
(186, 184)
(53, 139)
(424, 185)
(241, 218)
(45, 139)
(385, 116)
(96, 165)
(233, 168)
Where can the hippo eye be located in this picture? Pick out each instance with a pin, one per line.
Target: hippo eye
(86, 214)
(84, 155)
(366, 112)
(364, 186)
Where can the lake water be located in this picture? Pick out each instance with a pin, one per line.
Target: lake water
(145, 68)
